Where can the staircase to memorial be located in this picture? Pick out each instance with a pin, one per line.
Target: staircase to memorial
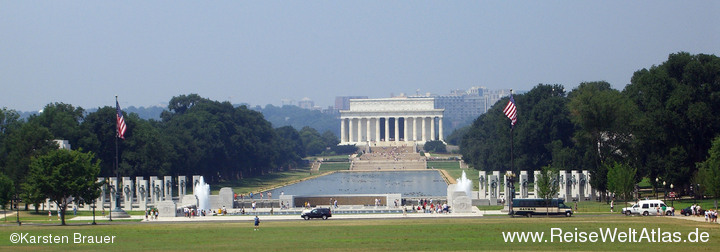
(389, 158)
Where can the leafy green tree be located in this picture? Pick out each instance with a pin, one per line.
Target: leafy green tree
(679, 104)
(63, 121)
(709, 171)
(603, 117)
(8, 123)
(543, 119)
(62, 175)
(29, 141)
(146, 151)
(435, 147)
(547, 184)
(289, 146)
(330, 139)
(621, 180)
(7, 189)
(101, 126)
(455, 138)
(313, 141)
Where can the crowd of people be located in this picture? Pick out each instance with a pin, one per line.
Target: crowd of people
(390, 154)
(151, 214)
(427, 206)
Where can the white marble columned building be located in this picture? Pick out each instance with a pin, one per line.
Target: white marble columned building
(391, 121)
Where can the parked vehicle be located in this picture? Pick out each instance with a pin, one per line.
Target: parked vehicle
(528, 207)
(687, 211)
(648, 207)
(319, 212)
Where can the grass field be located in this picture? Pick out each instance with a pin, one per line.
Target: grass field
(335, 166)
(262, 183)
(468, 234)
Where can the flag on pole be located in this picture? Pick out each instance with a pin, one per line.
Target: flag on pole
(121, 127)
(511, 111)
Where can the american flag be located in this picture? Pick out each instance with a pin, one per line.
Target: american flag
(511, 111)
(121, 127)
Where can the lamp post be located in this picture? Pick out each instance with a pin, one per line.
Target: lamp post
(673, 198)
(17, 209)
(511, 180)
(93, 207)
(664, 191)
(657, 181)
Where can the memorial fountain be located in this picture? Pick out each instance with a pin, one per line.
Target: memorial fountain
(202, 193)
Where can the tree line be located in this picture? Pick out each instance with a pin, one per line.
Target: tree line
(661, 125)
(195, 136)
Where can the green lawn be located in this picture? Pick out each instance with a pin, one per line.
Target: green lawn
(335, 166)
(437, 234)
(262, 183)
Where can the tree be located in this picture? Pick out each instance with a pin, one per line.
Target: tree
(7, 189)
(289, 146)
(543, 119)
(679, 104)
(29, 141)
(455, 138)
(435, 146)
(547, 184)
(603, 117)
(63, 121)
(62, 175)
(709, 171)
(101, 126)
(313, 141)
(621, 180)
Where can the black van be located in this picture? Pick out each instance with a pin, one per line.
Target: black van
(319, 212)
(528, 207)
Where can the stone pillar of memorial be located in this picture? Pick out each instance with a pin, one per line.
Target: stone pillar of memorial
(143, 193)
(535, 184)
(523, 185)
(575, 193)
(494, 185)
(100, 202)
(182, 186)
(482, 185)
(563, 185)
(127, 193)
(167, 189)
(112, 190)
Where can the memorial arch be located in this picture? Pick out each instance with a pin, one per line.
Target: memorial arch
(391, 121)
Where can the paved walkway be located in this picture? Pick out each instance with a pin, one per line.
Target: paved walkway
(691, 218)
(249, 216)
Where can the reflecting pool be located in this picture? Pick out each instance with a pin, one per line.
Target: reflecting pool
(408, 183)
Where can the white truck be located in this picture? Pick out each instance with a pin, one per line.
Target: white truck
(649, 207)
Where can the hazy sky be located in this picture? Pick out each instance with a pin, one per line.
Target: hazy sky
(259, 52)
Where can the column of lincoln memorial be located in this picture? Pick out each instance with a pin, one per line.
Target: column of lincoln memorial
(391, 121)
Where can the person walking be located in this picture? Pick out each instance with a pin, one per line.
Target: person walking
(257, 223)
(612, 204)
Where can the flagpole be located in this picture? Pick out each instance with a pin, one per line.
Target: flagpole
(512, 166)
(117, 179)
(118, 211)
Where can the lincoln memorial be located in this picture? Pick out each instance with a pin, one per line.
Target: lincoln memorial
(391, 121)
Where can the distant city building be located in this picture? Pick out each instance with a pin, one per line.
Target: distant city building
(287, 101)
(343, 102)
(463, 106)
(306, 103)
